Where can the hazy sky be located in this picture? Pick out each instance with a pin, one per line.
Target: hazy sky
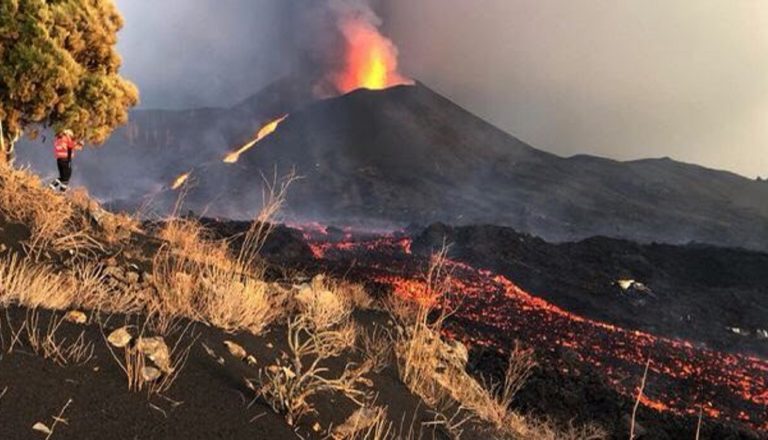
(628, 79)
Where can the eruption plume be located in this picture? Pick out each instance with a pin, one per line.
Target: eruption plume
(370, 59)
(265, 131)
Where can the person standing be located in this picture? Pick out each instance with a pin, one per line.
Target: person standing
(64, 146)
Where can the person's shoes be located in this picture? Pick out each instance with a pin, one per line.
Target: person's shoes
(55, 185)
(63, 187)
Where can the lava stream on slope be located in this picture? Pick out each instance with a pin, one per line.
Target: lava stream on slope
(684, 377)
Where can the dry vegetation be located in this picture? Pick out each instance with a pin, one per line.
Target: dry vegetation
(196, 279)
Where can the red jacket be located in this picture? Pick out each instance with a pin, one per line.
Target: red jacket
(64, 147)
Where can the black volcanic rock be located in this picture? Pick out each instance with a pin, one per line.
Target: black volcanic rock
(406, 155)
(697, 292)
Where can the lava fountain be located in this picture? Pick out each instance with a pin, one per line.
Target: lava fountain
(370, 60)
(265, 131)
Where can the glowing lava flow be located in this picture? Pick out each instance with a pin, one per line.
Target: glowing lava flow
(683, 377)
(370, 59)
(181, 180)
(265, 131)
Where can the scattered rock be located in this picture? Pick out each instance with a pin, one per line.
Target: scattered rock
(738, 331)
(236, 350)
(762, 334)
(40, 427)
(76, 316)
(316, 427)
(157, 351)
(150, 374)
(251, 361)
(120, 338)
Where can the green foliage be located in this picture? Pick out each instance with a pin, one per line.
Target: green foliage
(59, 68)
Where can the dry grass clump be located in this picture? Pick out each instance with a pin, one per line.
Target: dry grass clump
(435, 370)
(322, 305)
(218, 292)
(43, 340)
(72, 223)
(33, 286)
(199, 278)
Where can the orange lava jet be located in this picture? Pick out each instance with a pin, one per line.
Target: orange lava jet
(370, 59)
(181, 180)
(265, 131)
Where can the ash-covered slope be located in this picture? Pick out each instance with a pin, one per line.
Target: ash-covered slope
(407, 155)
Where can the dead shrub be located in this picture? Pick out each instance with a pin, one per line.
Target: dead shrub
(377, 347)
(298, 375)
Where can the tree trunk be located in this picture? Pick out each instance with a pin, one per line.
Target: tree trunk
(2, 136)
(7, 147)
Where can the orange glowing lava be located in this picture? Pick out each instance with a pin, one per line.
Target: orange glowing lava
(265, 131)
(684, 378)
(181, 180)
(370, 60)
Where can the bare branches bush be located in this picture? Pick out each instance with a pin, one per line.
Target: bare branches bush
(300, 374)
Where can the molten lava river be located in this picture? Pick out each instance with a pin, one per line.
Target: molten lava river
(683, 378)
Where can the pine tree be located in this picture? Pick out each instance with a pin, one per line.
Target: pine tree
(59, 68)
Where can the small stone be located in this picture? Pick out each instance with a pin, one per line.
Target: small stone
(269, 345)
(120, 337)
(316, 427)
(40, 427)
(236, 350)
(76, 316)
(250, 360)
(157, 351)
(150, 374)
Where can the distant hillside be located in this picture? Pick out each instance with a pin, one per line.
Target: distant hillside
(408, 155)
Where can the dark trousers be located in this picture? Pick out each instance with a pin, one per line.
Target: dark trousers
(65, 170)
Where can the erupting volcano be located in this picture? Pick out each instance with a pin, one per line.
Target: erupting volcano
(370, 59)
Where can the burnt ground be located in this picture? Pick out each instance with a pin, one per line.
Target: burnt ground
(208, 400)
